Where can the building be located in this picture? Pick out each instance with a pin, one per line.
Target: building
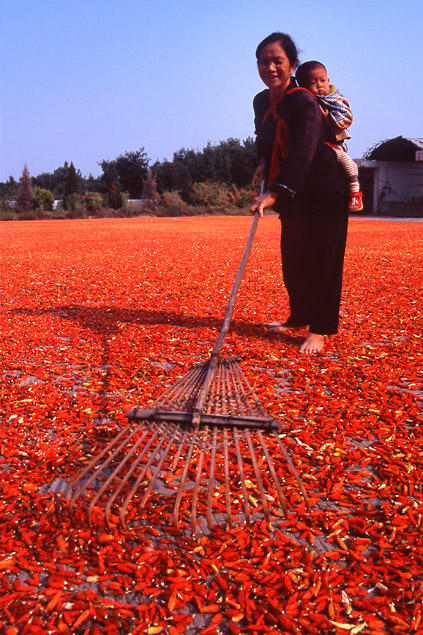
(391, 178)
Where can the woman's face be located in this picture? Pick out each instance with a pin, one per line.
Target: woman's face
(274, 67)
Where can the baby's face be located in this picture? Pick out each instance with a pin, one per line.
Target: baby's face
(318, 82)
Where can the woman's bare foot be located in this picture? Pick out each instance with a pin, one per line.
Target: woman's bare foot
(313, 343)
(275, 327)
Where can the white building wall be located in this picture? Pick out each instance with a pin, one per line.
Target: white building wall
(395, 182)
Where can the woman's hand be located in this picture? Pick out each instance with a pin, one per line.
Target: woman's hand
(262, 202)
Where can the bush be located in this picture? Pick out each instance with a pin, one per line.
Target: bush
(7, 212)
(74, 203)
(54, 214)
(72, 214)
(93, 201)
(7, 215)
(43, 199)
(28, 215)
(171, 204)
(213, 196)
(131, 210)
(242, 198)
(105, 212)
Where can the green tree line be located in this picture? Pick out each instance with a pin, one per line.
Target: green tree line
(215, 176)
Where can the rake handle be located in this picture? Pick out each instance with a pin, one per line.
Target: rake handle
(214, 357)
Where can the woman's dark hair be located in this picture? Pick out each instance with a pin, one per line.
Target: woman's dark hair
(304, 69)
(286, 43)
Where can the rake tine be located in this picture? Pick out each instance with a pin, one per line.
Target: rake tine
(221, 402)
(193, 387)
(239, 392)
(182, 484)
(187, 380)
(211, 479)
(179, 451)
(79, 491)
(274, 474)
(73, 483)
(190, 384)
(121, 465)
(226, 464)
(227, 387)
(181, 393)
(156, 431)
(197, 481)
(143, 472)
(258, 476)
(243, 381)
(153, 479)
(294, 471)
(221, 386)
(242, 477)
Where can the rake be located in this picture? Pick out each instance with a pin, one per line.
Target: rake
(202, 443)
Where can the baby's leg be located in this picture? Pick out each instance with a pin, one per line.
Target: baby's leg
(351, 170)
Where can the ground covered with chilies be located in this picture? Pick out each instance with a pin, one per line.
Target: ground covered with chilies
(101, 315)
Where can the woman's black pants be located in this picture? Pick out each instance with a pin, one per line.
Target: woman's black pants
(313, 244)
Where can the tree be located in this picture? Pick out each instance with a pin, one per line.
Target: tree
(149, 189)
(92, 183)
(193, 162)
(114, 195)
(131, 169)
(25, 195)
(72, 182)
(230, 162)
(241, 158)
(172, 176)
(9, 190)
(71, 195)
(55, 182)
(112, 187)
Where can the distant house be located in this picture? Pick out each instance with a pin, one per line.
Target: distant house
(391, 178)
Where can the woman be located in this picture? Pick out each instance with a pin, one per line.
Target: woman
(305, 184)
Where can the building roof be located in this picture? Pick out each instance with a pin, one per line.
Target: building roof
(396, 149)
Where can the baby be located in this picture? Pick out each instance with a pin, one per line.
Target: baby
(337, 118)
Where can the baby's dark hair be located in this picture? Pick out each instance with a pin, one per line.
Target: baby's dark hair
(285, 41)
(301, 74)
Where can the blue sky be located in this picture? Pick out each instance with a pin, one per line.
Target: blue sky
(86, 80)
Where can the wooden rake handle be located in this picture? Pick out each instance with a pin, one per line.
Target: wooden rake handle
(214, 357)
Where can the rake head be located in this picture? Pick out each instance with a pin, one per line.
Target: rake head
(230, 400)
(218, 465)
